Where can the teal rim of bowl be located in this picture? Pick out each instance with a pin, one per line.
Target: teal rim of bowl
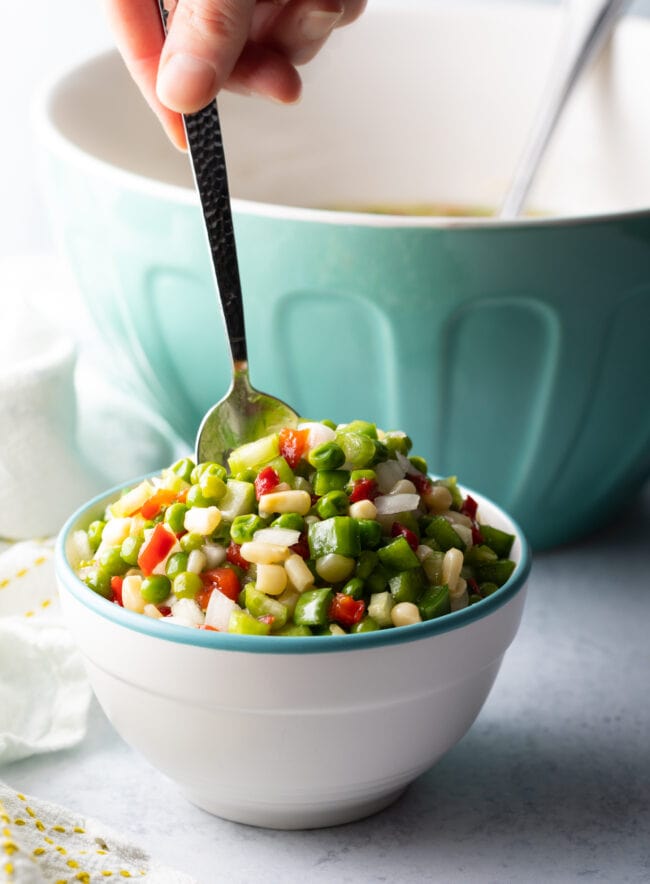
(271, 644)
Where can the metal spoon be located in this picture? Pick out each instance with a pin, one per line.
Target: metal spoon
(587, 32)
(244, 414)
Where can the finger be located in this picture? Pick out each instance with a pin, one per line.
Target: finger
(300, 29)
(266, 72)
(139, 38)
(205, 39)
(352, 11)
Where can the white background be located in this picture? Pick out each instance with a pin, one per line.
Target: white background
(39, 38)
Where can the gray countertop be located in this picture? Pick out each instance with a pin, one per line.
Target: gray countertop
(552, 783)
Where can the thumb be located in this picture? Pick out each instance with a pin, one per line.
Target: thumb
(205, 39)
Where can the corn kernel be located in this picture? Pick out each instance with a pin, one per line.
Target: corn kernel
(264, 553)
(131, 595)
(202, 519)
(271, 579)
(285, 502)
(363, 509)
(299, 576)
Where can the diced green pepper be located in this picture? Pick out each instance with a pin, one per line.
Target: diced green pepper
(378, 580)
(95, 531)
(479, 554)
(443, 534)
(292, 629)
(354, 587)
(369, 533)
(330, 480)
(500, 541)
(282, 468)
(420, 464)
(254, 454)
(356, 475)
(398, 555)
(260, 604)
(488, 588)
(366, 563)
(312, 607)
(495, 572)
(243, 623)
(434, 602)
(406, 586)
(338, 534)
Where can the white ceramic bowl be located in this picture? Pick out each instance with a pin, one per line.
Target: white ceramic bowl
(295, 732)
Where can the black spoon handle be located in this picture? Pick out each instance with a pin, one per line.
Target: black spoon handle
(208, 162)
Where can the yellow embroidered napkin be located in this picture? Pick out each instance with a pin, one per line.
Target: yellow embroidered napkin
(44, 693)
(42, 843)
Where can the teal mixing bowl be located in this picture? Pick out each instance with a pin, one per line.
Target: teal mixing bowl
(516, 355)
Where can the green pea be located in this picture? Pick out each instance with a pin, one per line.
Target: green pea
(176, 564)
(365, 625)
(175, 517)
(100, 582)
(113, 563)
(187, 585)
(328, 456)
(95, 531)
(130, 549)
(289, 520)
(196, 497)
(191, 541)
(244, 527)
(398, 442)
(183, 468)
(420, 464)
(354, 588)
(334, 503)
(208, 467)
(212, 487)
(155, 589)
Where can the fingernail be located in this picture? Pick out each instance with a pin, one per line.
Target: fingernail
(317, 25)
(186, 83)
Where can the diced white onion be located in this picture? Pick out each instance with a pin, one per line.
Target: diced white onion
(196, 561)
(215, 554)
(318, 434)
(187, 609)
(388, 473)
(389, 504)
(278, 536)
(406, 465)
(218, 612)
(80, 548)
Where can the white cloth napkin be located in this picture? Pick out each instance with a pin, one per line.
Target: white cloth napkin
(44, 693)
(41, 843)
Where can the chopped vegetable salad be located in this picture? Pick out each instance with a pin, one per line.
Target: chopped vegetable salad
(315, 530)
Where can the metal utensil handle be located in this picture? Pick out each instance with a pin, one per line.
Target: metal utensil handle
(586, 39)
(208, 162)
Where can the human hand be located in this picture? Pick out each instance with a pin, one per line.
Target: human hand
(247, 46)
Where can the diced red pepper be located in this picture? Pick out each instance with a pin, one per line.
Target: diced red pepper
(267, 618)
(292, 445)
(155, 549)
(165, 610)
(364, 489)
(469, 507)
(345, 610)
(399, 530)
(423, 485)
(150, 508)
(234, 556)
(223, 579)
(477, 537)
(210, 628)
(116, 586)
(265, 481)
(302, 547)
(473, 586)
